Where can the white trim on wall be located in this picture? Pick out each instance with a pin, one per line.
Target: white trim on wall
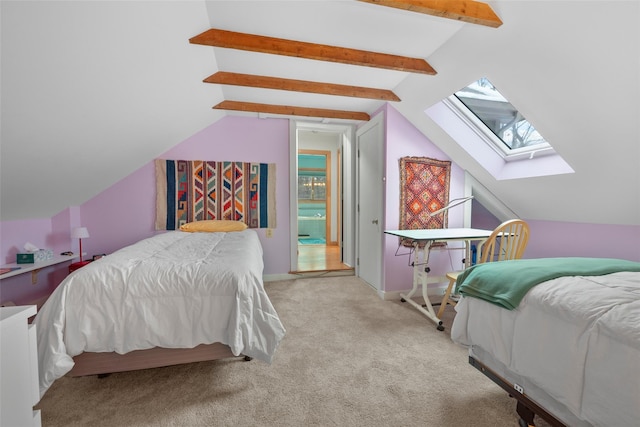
(473, 187)
(293, 195)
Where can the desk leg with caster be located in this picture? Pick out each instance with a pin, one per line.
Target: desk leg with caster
(420, 275)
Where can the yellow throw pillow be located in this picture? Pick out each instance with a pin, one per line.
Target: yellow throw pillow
(213, 225)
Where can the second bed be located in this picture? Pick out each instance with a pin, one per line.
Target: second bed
(565, 343)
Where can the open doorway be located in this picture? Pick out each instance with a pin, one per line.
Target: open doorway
(319, 224)
(315, 198)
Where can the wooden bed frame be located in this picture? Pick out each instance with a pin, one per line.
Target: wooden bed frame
(105, 363)
(526, 408)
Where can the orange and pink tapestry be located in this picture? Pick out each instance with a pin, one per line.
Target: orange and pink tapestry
(424, 188)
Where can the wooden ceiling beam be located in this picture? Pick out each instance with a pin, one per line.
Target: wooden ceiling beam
(276, 46)
(291, 111)
(249, 80)
(474, 12)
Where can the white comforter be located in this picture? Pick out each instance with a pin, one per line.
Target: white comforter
(577, 339)
(174, 290)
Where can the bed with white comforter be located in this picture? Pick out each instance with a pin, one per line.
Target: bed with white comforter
(572, 343)
(173, 290)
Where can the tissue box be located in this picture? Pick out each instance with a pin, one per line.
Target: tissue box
(37, 256)
(43, 255)
(28, 258)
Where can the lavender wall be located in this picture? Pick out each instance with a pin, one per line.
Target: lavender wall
(481, 217)
(564, 239)
(569, 239)
(51, 233)
(403, 139)
(124, 213)
(16, 233)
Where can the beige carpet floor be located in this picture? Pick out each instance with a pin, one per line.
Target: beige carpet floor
(348, 359)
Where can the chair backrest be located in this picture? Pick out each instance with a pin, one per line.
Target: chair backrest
(508, 241)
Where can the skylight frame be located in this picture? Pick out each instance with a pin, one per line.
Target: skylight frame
(490, 138)
(475, 141)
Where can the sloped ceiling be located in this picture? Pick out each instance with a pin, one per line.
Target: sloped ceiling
(93, 90)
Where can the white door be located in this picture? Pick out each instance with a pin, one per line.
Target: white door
(370, 188)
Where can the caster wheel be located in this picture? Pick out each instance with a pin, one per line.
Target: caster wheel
(440, 328)
(248, 358)
(403, 300)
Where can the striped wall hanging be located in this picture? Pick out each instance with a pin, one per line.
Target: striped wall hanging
(195, 190)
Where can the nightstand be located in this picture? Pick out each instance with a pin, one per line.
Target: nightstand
(76, 265)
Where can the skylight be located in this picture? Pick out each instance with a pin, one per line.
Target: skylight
(503, 119)
(496, 135)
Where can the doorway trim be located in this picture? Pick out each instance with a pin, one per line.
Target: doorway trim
(346, 193)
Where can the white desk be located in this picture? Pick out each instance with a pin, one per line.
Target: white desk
(422, 240)
(35, 267)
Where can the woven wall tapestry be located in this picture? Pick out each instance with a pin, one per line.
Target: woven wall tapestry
(424, 188)
(195, 190)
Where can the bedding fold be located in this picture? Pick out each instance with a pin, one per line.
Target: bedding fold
(505, 283)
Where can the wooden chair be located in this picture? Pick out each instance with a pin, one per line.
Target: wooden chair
(508, 241)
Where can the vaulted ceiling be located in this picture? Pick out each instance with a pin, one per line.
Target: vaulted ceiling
(474, 12)
(93, 90)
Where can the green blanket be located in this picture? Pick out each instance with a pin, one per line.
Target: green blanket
(505, 283)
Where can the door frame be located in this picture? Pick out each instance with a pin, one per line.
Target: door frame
(345, 194)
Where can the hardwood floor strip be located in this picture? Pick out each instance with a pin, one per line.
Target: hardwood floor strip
(320, 258)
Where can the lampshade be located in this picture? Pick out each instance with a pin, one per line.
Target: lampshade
(80, 233)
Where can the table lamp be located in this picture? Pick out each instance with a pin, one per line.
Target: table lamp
(80, 233)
